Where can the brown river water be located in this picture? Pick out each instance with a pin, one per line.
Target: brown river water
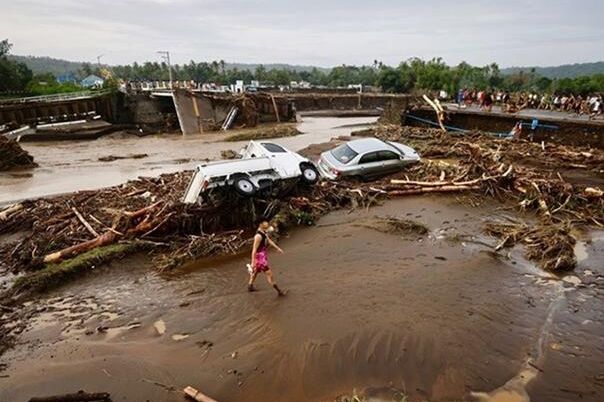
(439, 317)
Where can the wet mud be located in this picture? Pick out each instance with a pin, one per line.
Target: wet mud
(439, 316)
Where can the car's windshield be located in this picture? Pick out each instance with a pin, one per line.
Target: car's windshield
(344, 153)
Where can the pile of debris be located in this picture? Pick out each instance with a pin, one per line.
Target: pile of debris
(434, 143)
(147, 213)
(552, 246)
(527, 174)
(12, 156)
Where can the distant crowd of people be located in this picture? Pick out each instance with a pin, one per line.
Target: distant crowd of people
(591, 106)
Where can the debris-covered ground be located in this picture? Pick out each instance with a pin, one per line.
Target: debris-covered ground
(523, 173)
(47, 242)
(147, 212)
(12, 156)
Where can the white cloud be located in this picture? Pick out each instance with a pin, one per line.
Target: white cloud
(323, 32)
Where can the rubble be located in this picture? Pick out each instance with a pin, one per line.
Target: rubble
(12, 156)
(550, 245)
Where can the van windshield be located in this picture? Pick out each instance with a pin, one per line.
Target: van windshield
(344, 153)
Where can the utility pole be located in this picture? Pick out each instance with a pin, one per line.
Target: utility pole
(166, 56)
(98, 60)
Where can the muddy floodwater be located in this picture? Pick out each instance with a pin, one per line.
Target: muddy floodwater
(438, 316)
(67, 166)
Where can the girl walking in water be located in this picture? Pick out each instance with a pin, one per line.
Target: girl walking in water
(260, 257)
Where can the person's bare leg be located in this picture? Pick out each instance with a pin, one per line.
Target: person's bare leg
(271, 280)
(250, 284)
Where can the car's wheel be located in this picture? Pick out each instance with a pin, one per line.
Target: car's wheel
(310, 174)
(244, 186)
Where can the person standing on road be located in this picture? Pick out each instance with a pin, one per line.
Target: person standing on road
(260, 257)
(460, 97)
(596, 108)
(488, 101)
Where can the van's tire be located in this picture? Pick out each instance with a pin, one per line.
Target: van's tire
(244, 186)
(265, 184)
(310, 174)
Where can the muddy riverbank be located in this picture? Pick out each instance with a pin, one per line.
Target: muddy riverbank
(437, 315)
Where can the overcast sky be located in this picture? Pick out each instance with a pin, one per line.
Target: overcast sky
(316, 32)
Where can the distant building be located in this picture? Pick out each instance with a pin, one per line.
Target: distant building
(239, 87)
(67, 77)
(92, 81)
(300, 84)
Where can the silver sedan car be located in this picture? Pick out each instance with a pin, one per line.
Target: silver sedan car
(366, 158)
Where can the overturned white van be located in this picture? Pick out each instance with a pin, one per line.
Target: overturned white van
(260, 165)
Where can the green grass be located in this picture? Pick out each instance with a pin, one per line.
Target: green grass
(53, 275)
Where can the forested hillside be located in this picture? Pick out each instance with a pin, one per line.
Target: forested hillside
(563, 71)
(43, 65)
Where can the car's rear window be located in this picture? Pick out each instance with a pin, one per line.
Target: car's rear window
(344, 153)
(397, 148)
(270, 147)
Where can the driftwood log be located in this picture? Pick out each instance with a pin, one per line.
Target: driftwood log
(146, 225)
(424, 190)
(197, 395)
(103, 240)
(7, 212)
(80, 396)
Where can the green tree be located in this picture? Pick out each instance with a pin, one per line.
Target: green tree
(389, 79)
(14, 76)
